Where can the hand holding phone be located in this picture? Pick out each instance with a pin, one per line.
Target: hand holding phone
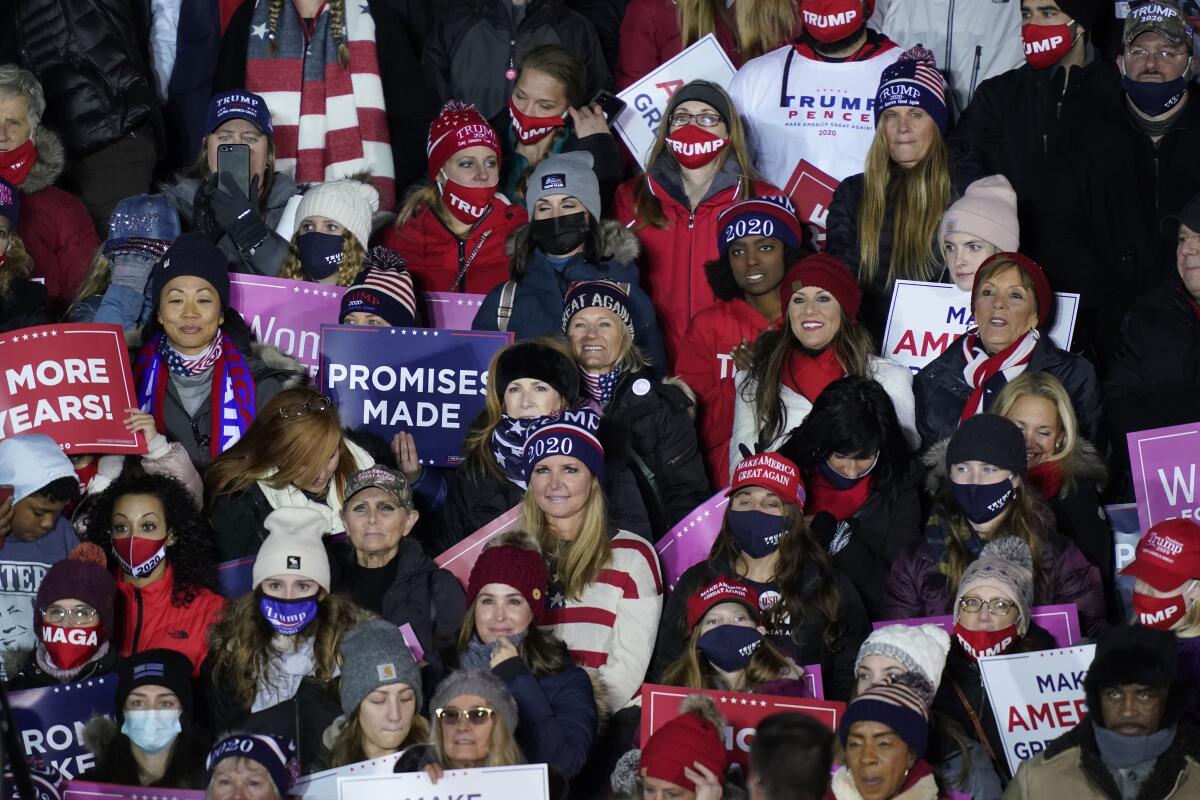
(234, 160)
(609, 103)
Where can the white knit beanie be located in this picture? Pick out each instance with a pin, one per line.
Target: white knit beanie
(293, 546)
(349, 203)
(920, 648)
(988, 209)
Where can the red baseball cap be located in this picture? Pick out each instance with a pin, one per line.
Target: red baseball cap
(1168, 555)
(722, 590)
(773, 472)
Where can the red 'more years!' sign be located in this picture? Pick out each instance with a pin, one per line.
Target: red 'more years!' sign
(70, 382)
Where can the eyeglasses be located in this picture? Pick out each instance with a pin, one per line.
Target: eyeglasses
(1141, 53)
(316, 405)
(82, 615)
(706, 120)
(1001, 608)
(476, 716)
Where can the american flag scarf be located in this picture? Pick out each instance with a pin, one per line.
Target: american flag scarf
(330, 122)
(987, 375)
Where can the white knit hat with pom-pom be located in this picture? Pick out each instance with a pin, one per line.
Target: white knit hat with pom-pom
(920, 648)
(350, 203)
(1005, 564)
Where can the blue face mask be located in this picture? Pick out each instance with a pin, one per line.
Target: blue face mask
(1153, 98)
(729, 647)
(288, 617)
(983, 503)
(839, 481)
(320, 254)
(756, 533)
(152, 730)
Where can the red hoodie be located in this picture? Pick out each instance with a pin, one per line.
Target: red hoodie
(148, 619)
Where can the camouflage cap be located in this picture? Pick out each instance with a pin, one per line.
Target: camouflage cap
(1160, 16)
(389, 480)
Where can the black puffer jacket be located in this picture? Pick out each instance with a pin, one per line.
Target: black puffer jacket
(1107, 189)
(92, 60)
(469, 51)
(941, 391)
(663, 447)
(23, 305)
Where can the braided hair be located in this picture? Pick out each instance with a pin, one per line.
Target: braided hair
(337, 23)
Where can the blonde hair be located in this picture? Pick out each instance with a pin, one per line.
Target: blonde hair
(502, 749)
(337, 24)
(295, 449)
(577, 562)
(758, 26)
(429, 197)
(1189, 626)
(648, 208)
(96, 282)
(352, 260)
(240, 649)
(919, 197)
(1047, 387)
(347, 747)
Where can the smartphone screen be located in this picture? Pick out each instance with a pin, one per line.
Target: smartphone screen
(234, 160)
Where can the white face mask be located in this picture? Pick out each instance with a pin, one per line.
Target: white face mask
(152, 730)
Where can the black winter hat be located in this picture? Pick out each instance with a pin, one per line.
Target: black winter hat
(990, 438)
(160, 667)
(539, 361)
(1085, 12)
(705, 92)
(192, 254)
(1135, 654)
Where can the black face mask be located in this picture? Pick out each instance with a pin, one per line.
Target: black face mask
(555, 236)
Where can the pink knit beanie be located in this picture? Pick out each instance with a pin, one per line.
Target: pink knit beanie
(988, 210)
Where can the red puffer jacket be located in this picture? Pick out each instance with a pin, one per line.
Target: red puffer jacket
(673, 257)
(435, 255)
(706, 366)
(149, 619)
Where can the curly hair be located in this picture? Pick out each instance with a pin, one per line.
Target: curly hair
(353, 254)
(191, 556)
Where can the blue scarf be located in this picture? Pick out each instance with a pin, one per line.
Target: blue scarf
(508, 447)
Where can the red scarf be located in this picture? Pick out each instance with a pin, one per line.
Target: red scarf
(987, 375)
(809, 375)
(1047, 478)
(841, 503)
(16, 163)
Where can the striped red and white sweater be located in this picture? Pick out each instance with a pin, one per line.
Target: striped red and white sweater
(611, 628)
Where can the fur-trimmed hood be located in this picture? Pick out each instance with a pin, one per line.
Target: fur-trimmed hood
(1088, 466)
(617, 243)
(51, 160)
(98, 733)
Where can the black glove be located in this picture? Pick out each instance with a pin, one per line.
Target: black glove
(235, 213)
(824, 527)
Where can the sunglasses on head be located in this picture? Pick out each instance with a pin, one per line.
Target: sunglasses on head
(476, 716)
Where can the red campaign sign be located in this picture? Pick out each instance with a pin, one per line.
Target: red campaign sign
(742, 713)
(812, 192)
(70, 382)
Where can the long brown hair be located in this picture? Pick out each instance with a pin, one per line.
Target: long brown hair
(918, 197)
(239, 645)
(542, 651)
(352, 260)
(647, 207)
(477, 449)
(576, 562)
(797, 550)
(280, 451)
(772, 351)
(758, 26)
(347, 747)
(693, 671)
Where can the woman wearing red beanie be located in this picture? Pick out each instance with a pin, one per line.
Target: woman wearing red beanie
(685, 759)
(452, 233)
(821, 342)
(506, 601)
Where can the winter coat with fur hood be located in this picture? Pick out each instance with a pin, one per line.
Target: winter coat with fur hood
(1071, 766)
(537, 306)
(55, 225)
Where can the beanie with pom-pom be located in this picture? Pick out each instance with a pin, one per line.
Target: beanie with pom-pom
(457, 127)
(1006, 565)
(695, 735)
(82, 575)
(913, 80)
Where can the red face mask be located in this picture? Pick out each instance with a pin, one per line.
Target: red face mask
(1158, 612)
(70, 647)
(832, 20)
(467, 204)
(977, 644)
(532, 129)
(138, 555)
(694, 146)
(16, 163)
(1045, 45)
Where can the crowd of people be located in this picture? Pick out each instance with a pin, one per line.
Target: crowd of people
(693, 325)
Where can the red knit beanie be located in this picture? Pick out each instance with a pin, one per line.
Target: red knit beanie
(457, 127)
(82, 575)
(512, 565)
(688, 738)
(1041, 285)
(828, 273)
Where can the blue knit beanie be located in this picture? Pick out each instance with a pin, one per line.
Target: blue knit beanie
(913, 80)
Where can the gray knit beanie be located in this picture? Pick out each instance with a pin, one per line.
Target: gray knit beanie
(1008, 564)
(480, 683)
(565, 173)
(375, 654)
(920, 648)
